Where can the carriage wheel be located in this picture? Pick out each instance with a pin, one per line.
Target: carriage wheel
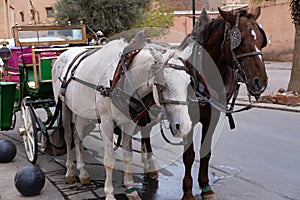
(30, 136)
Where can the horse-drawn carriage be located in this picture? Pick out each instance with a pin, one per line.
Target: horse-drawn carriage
(155, 66)
(26, 82)
(233, 41)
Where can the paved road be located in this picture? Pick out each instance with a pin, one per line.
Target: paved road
(258, 160)
(265, 146)
(278, 77)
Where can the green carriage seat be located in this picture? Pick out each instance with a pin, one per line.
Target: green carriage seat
(25, 61)
(38, 66)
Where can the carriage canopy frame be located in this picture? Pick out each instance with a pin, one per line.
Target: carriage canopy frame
(48, 35)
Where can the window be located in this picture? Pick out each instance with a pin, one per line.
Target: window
(32, 12)
(22, 16)
(50, 12)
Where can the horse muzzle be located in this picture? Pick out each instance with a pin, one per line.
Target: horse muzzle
(180, 130)
(257, 87)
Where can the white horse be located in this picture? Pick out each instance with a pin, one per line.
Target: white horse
(84, 100)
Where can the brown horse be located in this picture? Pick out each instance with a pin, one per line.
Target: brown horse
(233, 42)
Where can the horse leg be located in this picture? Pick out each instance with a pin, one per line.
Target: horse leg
(107, 127)
(148, 158)
(131, 193)
(68, 135)
(208, 127)
(83, 174)
(188, 160)
(189, 156)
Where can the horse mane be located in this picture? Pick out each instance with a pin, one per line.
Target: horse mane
(216, 24)
(211, 27)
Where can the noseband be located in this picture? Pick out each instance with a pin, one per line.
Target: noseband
(160, 84)
(235, 41)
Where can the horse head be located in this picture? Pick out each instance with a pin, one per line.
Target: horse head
(170, 87)
(243, 42)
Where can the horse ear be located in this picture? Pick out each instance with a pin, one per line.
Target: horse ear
(198, 30)
(227, 15)
(138, 42)
(256, 13)
(187, 52)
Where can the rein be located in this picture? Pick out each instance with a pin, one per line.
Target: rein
(137, 106)
(239, 73)
(234, 36)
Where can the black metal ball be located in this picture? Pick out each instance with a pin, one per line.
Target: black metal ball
(30, 180)
(8, 151)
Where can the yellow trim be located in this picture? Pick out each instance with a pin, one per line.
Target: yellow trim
(34, 68)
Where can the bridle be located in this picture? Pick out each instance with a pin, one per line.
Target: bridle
(239, 74)
(157, 72)
(235, 41)
(160, 84)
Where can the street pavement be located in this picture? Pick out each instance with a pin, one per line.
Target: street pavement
(233, 179)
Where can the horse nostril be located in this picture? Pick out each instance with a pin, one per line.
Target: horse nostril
(177, 126)
(256, 83)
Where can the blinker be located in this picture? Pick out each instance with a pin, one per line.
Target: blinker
(159, 77)
(235, 38)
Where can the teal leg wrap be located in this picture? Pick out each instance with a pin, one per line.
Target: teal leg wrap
(206, 189)
(130, 190)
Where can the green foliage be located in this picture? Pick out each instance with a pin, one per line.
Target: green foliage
(156, 20)
(159, 15)
(259, 1)
(106, 15)
(295, 10)
(150, 32)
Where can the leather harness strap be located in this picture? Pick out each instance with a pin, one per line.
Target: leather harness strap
(85, 53)
(64, 80)
(137, 107)
(119, 72)
(255, 53)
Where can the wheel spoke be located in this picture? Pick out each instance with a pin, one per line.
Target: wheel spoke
(28, 148)
(30, 136)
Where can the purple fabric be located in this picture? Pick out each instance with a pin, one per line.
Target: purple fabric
(27, 57)
(15, 53)
(13, 62)
(16, 57)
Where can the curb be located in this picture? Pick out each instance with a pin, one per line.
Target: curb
(243, 102)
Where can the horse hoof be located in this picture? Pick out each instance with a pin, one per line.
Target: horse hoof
(110, 197)
(209, 197)
(188, 197)
(152, 175)
(70, 179)
(134, 198)
(85, 181)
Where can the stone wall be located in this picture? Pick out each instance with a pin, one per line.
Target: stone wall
(276, 21)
